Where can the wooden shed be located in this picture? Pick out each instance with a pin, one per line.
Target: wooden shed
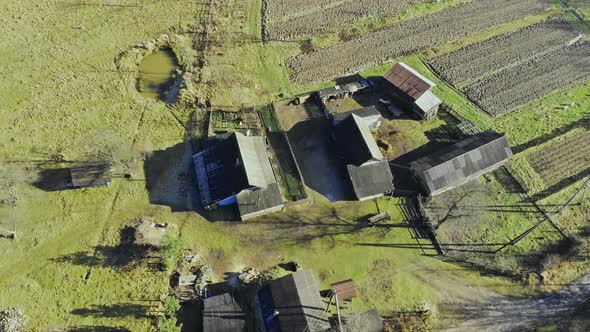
(91, 175)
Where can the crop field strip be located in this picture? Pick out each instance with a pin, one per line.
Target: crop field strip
(507, 71)
(474, 62)
(291, 19)
(562, 160)
(408, 37)
(516, 86)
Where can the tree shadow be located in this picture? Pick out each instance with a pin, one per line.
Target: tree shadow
(125, 256)
(169, 177)
(88, 328)
(120, 310)
(582, 123)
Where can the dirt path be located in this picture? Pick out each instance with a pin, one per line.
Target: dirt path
(500, 313)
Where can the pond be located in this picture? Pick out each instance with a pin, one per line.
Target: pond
(157, 72)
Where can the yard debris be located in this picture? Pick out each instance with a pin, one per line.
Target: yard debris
(12, 320)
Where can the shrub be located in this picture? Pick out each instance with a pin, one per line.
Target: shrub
(171, 305)
(168, 325)
(170, 251)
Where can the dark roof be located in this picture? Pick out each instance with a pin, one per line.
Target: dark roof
(408, 81)
(355, 140)
(371, 179)
(462, 161)
(223, 313)
(361, 112)
(231, 163)
(296, 298)
(91, 175)
(252, 202)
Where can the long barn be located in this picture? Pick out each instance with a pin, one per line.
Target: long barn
(461, 162)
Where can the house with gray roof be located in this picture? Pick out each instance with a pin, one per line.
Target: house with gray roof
(224, 313)
(461, 162)
(234, 168)
(293, 304)
(414, 89)
(368, 170)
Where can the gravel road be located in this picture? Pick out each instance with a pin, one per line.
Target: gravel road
(499, 313)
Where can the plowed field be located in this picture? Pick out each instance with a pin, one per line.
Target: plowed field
(290, 19)
(408, 37)
(502, 92)
(472, 63)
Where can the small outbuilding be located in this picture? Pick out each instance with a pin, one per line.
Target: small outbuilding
(414, 89)
(369, 114)
(293, 304)
(223, 313)
(461, 162)
(91, 175)
(234, 169)
(369, 172)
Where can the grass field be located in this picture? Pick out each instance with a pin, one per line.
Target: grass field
(62, 86)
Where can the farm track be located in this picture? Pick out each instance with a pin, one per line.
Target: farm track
(475, 62)
(288, 20)
(408, 37)
(563, 159)
(512, 87)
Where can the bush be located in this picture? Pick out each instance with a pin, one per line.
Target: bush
(168, 325)
(170, 251)
(171, 305)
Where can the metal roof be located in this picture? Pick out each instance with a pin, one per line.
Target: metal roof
(231, 163)
(463, 161)
(255, 202)
(223, 313)
(354, 137)
(427, 101)
(366, 113)
(297, 303)
(408, 80)
(371, 179)
(255, 160)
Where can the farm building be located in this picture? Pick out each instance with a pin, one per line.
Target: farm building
(368, 170)
(369, 114)
(91, 175)
(461, 162)
(223, 313)
(343, 91)
(413, 89)
(293, 304)
(235, 169)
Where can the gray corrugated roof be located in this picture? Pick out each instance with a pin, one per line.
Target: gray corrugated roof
(222, 313)
(461, 162)
(255, 159)
(371, 179)
(362, 112)
(354, 138)
(253, 201)
(297, 299)
(428, 101)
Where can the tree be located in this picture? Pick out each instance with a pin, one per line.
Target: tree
(12, 320)
(170, 305)
(170, 251)
(106, 145)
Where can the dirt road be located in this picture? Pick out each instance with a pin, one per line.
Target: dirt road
(500, 313)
